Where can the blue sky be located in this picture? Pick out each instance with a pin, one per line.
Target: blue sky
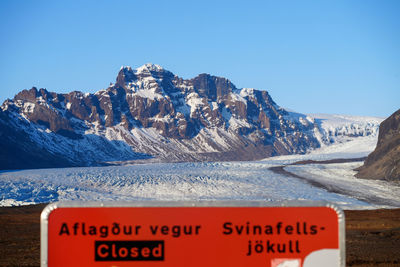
(338, 57)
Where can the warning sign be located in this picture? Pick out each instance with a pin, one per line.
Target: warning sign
(192, 234)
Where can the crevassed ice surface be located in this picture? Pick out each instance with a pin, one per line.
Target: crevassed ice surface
(203, 181)
(182, 181)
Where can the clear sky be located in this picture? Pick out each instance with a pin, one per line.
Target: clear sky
(339, 57)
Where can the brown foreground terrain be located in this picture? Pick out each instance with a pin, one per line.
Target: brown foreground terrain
(372, 237)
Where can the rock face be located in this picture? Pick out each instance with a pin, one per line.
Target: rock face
(150, 113)
(384, 161)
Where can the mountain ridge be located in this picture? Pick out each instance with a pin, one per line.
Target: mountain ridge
(150, 112)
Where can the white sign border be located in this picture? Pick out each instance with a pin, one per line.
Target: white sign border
(44, 218)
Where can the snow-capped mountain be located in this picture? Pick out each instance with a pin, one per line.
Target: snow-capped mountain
(151, 113)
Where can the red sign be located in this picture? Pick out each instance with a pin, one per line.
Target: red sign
(192, 236)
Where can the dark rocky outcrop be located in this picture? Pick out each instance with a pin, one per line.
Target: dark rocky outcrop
(384, 161)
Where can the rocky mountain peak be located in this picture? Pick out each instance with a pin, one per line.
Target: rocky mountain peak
(148, 73)
(28, 95)
(125, 75)
(149, 68)
(153, 112)
(212, 87)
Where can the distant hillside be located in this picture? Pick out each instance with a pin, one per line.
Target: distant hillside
(384, 161)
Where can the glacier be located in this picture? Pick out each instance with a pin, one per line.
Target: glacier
(246, 180)
(252, 180)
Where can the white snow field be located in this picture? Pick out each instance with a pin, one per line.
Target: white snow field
(178, 181)
(211, 181)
